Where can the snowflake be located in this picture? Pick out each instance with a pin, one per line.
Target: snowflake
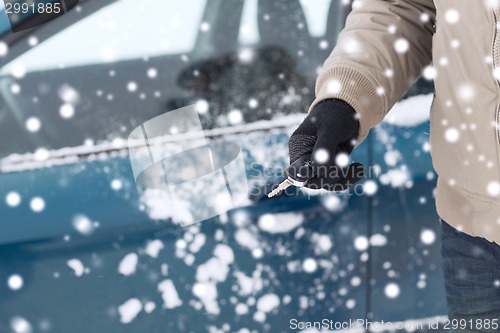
(202, 106)
(253, 103)
(452, 16)
(18, 71)
(310, 265)
(13, 199)
(4, 49)
(37, 204)
(83, 224)
(427, 236)
(152, 73)
(452, 135)
(321, 155)
(342, 160)
(116, 184)
(20, 325)
(33, 41)
(205, 27)
(333, 87)
(235, 117)
(466, 92)
(401, 45)
(391, 290)
(15, 282)
(361, 243)
(15, 88)
(429, 73)
(67, 111)
(493, 188)
(132, 86)
(370, 187)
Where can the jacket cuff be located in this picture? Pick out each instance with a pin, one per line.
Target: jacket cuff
(358, 88)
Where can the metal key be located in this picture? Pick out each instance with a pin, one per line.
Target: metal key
(298, 173)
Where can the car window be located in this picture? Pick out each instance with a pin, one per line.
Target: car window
(4, 20)
(131, 60)
(143, 29)
(316, 15)
(100, 76)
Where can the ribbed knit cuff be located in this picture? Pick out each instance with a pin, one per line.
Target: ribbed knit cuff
(356, 87)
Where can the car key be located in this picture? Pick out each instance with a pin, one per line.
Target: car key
(298, 173)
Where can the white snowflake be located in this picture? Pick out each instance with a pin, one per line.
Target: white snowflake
(132, 86)
(83, 224)
(152, 73)
(246, 55)
(370, 187)
(452, 135)
(37, 204)
(235, 117)
(33, 124)
(310, 265)
(204, 26)
(67, 111)
(392, 290)
(466, 92)
(20, 325)
(361, 243)
(18, 71)
(334, 87)
(33, 41)
(202, 106)
(493, 188)
(429, 73)
(401, 45)
(15, 282)
(452, 16)
(342, 160)
(13, 199)
(427, 236)
(253, 103)
(321, 155)
(15, 88)
(4, 49)
(350, 303)
(116, 184)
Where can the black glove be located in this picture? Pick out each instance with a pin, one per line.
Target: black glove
(330, 129)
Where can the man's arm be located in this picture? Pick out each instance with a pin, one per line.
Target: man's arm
(369, 68)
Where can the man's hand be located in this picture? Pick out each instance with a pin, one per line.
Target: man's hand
(328, 133)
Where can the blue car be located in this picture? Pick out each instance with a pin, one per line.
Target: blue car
(82, 249)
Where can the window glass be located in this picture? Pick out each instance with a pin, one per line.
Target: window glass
(142, 29)
(100, 77)
(315, 11)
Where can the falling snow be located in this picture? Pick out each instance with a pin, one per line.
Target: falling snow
(83, 224)
(37, 204)
(13, 199)
(15, 282)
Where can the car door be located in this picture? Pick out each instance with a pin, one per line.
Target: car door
(84, 251)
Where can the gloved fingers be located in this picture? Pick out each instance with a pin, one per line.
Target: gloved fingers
(300, 145)
(351, 175)
(323, 156)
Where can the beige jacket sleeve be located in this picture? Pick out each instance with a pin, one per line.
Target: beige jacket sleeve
(365, 69)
